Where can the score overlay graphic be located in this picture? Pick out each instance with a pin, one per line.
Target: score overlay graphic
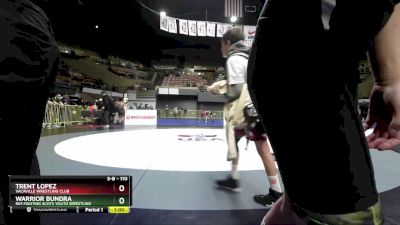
(70, 194)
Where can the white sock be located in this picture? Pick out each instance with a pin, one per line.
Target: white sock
(275, 183)
(235, 172)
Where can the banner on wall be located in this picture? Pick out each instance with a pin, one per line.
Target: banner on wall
(164, 23)
(220, 29)
(192, 28)
(249, 35)
(141, 117)
(201, 29)
(211, 29)
(172, 27)
(183, 27)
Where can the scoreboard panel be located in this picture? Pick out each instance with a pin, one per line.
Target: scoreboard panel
(70, 194)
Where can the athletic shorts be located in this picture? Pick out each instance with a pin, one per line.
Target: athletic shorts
(255, 134)
(287, 212)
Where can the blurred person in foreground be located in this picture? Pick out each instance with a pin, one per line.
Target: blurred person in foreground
(233, 48)
(306, 53)
(29, 59)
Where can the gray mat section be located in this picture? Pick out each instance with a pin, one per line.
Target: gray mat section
(54, 164)
(197, 191)
(192, 190)
(387, 169)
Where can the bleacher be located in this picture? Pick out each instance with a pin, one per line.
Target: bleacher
(93, 71)
(69, 77)
(184, 81)
(165, 67)
(114, 71)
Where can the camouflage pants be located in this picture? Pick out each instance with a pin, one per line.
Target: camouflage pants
(286, 212)
(372, 216)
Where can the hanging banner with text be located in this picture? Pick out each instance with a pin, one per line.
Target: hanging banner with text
(203, 28)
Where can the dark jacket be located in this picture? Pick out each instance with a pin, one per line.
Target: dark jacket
(108, 103)
(23, 25)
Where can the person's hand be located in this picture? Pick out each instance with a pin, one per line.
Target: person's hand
(384, 116)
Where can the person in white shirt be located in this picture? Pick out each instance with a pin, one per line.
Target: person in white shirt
(233, 48)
